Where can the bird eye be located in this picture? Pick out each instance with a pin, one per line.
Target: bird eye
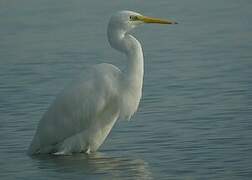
(133, 18)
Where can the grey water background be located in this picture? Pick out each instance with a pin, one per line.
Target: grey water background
(194, 120)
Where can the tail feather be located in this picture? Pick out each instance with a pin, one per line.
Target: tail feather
(34, 146)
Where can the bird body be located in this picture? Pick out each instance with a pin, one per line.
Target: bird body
(84, 113)
(72, 119)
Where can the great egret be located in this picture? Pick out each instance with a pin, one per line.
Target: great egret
(83, 114)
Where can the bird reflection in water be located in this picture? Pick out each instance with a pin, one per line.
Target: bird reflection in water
(97, 164)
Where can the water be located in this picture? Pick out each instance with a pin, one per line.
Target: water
(194, 121)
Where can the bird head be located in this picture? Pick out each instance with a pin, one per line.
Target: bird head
(128, 20)
(123, 22)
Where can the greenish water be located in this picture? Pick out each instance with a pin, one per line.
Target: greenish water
(194, 121)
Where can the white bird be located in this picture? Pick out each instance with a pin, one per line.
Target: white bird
(83, 114)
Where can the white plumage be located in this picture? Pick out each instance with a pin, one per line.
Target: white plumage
(83, 114)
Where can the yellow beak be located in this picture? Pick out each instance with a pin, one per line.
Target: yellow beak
(146, 19)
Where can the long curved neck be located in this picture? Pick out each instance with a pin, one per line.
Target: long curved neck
(130, 46)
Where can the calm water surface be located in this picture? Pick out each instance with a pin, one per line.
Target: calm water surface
(194, 121)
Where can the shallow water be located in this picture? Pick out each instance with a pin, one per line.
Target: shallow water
(194, 121)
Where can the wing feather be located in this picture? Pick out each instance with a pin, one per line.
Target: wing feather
(76, 107)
